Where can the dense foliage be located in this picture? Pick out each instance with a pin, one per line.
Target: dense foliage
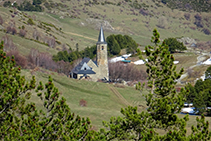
(174, 45)
(118, 42)
(26, 5)
(115, 44)
(20, 118)
(69, 55)
(200, 96)
(163, 103)
(187, 5)
(208, 73)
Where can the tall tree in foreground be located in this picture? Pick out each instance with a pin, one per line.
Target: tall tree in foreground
(20, 119)
(163, 103)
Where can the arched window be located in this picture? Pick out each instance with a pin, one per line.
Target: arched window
(102, 47)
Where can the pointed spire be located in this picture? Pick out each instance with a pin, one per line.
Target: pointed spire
(101, 38)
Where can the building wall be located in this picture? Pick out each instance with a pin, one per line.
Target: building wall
(96, 69)
(102, 60)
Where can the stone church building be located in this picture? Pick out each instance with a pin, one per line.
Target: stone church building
(94, 70)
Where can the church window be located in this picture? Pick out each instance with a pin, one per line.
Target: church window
(102, 47)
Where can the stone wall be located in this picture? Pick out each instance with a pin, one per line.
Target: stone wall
(102, 60)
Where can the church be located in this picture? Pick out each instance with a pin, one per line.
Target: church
(94, 70)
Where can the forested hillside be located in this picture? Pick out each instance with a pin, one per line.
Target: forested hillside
(189, 5)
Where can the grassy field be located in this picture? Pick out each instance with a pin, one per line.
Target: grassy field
(102, 103)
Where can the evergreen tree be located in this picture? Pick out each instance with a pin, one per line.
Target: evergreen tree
(115, 48)
(21, 120)
(199, 103)
(174, 45)
(192, 94)
(72, 56)
(208, 73)
(163, 103)
(131, 45)
(121, 41)
(163, 100)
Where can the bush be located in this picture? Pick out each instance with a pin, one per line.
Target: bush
(198, 21)
(30, 21)
(22, 33)
(83, 103)
(206, 31)
(187, 16)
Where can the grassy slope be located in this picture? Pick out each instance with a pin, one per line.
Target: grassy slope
(121, 21)
(101, 102)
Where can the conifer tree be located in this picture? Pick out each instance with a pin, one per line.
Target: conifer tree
(21, 120)
(163, 103)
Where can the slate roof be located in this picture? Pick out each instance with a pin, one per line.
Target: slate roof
(101, 38)
(86, 72)
(78, 70)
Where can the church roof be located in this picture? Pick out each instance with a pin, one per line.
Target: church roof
(101, 38)
(79, 68)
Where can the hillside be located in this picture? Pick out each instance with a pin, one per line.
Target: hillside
(73, 22)
(66, 24)
(102, 100)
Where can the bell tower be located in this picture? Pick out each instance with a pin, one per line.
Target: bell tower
(102, 58)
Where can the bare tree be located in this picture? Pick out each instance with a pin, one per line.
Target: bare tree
(8, 43)
(44, 60)
(162, 22)
(19, 59)
(127, 72)
(1, 20)
(51, 42)
(34, 57)
(36, 34)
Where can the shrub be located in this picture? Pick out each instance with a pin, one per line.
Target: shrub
(83, 103)
(22, 33)
(198, 21)
(187, 16)
(13, 31)
(30, 21)
(206, 31)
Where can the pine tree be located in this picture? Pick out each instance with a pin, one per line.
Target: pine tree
(13, 93)
(21, 120)
(208, 73)
(163, 103)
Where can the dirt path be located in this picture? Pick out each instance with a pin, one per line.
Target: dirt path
(200, 59)
(79, 35)
(119, 95)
